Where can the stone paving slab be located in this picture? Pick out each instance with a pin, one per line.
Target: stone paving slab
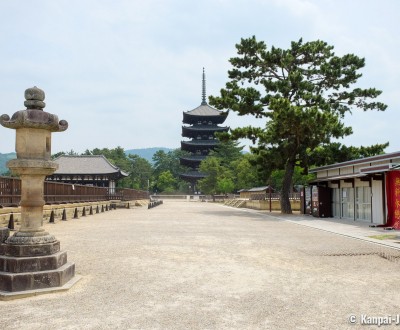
(188, 265)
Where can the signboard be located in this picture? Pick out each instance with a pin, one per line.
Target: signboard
(307, 200)
(393, 198)
(315, 201)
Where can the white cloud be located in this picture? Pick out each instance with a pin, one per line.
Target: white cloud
(121, 72)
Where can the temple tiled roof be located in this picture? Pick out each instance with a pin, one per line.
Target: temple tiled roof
(91, 164)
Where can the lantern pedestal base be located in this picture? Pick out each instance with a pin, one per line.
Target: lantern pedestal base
(34, 269)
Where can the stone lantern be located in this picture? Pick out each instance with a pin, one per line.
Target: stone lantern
(31, 259)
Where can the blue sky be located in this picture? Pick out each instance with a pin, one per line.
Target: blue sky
(122, 71)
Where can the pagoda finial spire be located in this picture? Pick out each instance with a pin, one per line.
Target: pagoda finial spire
(203, 100)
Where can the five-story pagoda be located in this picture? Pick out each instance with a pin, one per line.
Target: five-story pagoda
(200, 125)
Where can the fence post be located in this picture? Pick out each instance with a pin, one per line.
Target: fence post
(270, 200)
(11, 222)
(64, 215)
(51, 217)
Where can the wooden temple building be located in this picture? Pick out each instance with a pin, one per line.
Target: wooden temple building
(94, 170)
(200, 125)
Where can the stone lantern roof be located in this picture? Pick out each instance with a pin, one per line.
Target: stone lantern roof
(34, 116)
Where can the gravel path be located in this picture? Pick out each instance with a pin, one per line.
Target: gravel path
(187, 265)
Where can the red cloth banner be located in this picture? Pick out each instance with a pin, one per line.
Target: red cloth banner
(393, 199)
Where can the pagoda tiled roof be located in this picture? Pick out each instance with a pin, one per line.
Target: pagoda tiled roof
(205, 128)
(200, 142)
(205, 110)
(193, 174)
(194, 157)
(86, 164)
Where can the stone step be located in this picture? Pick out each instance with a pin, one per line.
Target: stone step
(4, 234)
(12, 282)
(32, 264)
(34, 250)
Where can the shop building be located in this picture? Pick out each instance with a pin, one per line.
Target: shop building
(366, 189)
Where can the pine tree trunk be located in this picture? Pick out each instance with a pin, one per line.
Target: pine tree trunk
(286, 208)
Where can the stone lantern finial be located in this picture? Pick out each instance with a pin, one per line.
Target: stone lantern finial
(34, 98)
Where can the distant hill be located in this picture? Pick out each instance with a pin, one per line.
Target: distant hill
(4, 158)
(147, 153)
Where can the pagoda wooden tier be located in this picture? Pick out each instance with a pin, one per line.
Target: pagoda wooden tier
(193, 176)
(201, 125)
(196, 146)
(192, 161)
(205, 131)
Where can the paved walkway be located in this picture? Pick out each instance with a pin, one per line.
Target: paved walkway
(354, 229)
(187, 265)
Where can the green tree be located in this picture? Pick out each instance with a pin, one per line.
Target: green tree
(68, 153)
(215, 173)
(169, 161)
(166, 182)
(225, 185)
(337, 153)
(227, 152)
(303, 92)
(212, 167)
(140, 172)
(299, 178)
(246, 173)
(58, 154)
(161, 162)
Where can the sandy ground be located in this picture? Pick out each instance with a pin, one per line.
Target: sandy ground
(187, 265)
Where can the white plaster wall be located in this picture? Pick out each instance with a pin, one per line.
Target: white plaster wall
(345, 184)
(359, 183)
(322, 174)
(333, 172)
(346, 170)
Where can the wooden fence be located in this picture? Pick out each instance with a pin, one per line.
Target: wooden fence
(273, 196)
(54, 193)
